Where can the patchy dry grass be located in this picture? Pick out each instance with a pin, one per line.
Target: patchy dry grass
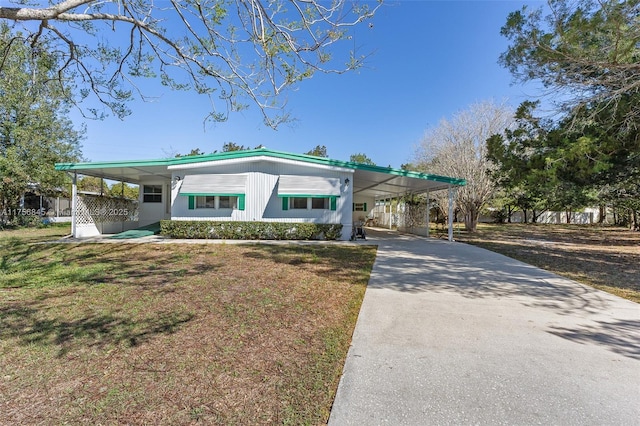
(174, 334)
(34, 235)
(607, 258)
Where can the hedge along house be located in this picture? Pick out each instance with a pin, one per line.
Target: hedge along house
(253, 185)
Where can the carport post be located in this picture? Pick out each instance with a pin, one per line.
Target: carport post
(450, 213)
(74, 203)
(398, 195)
(428, 207)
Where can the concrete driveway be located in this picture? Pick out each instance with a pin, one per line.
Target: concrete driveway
(453, 334)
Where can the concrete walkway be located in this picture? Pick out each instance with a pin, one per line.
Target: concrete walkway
(453, 334)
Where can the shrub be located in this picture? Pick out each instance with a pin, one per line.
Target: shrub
(200, 229)
(22, 221)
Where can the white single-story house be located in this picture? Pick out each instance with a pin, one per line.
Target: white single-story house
(253, 185)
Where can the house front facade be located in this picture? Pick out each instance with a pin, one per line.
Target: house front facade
(254, 185)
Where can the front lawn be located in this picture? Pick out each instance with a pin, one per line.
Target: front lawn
(174, 333)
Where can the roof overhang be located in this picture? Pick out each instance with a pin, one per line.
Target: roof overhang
(124, 171)
(369, 181)
(378, 182)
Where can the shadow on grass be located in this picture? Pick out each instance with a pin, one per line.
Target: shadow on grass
(28, 326)
(45, 311)
(40, 265)
(334, 260)
(14, 250)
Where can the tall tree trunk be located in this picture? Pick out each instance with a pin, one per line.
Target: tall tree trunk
(602, 214)
(471, 219)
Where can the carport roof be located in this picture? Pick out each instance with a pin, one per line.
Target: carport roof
(370, 181)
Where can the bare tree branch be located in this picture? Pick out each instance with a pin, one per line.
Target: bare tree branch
(457, 147)
(255, 53)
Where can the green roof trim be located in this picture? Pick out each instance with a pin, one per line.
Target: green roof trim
(110, 164)
(254, 153)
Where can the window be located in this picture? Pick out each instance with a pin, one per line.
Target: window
(309, 203)
(208, 202)
(227, 202)
(298, 203)
(320, 203)
(359, 207)
(216, 202)
(152, 194)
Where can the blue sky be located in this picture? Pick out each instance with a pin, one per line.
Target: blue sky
(431, 59)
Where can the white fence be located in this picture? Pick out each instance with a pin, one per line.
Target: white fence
(587, 217)
(97, 215)
(414, 219)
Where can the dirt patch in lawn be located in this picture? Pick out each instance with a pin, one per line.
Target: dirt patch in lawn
(175, 334)
(607, 258)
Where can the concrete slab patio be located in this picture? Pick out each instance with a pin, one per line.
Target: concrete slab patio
(453, 334)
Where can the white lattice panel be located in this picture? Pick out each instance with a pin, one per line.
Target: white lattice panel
(97, 209)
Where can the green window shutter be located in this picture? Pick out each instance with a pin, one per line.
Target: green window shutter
(241, 202)
(365, 207)
(353, 207)
(285, 203)
(333, 202)
(192, 202)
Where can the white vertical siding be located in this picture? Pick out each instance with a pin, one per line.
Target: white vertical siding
(261, 188)
(149, 213)
(261, 197)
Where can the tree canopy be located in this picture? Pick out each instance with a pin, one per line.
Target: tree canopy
(586, 52)
(124, 190)
(318, 151)
(194, 152)
(35, 131)
(542, 164)
(234, 51)
(226, 147)
(529, 166)
(232, 146)
(361, 158)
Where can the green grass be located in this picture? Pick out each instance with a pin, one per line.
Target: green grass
(157, 334)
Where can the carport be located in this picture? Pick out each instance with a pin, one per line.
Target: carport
(386, 184)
